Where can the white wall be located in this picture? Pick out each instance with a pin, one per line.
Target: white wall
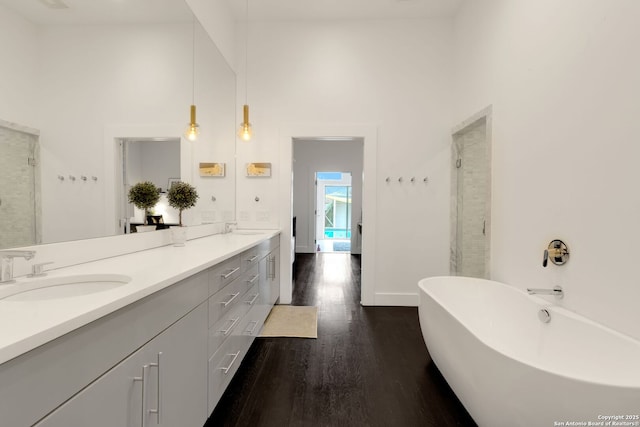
(19, 58)
(218, 22)
(323, 156)
(563, 81)
(392, 74)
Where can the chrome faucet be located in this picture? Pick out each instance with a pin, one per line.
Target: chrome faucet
(556, 291)
(6, 263)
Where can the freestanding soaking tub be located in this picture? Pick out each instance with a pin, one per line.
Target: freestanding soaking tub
(508, 368)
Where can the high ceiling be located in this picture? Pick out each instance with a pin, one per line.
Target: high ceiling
(100, 11)
(133, 11)
(287, 10)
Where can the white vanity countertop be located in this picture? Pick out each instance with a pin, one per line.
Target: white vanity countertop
(29, 324)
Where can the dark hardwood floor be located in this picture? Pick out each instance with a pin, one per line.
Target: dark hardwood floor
(368, 367)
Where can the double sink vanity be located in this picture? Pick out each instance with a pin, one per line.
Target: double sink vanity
(147, 338)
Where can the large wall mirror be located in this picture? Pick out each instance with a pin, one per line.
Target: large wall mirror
(79, 81)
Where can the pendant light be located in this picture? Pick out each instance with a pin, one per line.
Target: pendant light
(245, 131)
(193, 129)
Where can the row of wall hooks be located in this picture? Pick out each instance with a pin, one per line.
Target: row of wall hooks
(413, 179)
(73, 178)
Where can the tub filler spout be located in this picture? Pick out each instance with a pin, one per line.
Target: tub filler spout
(556, 291)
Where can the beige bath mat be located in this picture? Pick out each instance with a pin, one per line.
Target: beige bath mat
(291, 321)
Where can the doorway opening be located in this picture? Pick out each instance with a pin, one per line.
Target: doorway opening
(333, 211)
(156, 160)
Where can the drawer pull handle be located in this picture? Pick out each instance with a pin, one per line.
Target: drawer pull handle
(158, 398)
(226, 368)
(253, 258)
(253, 279)
(233, 296)
(255, 297)
(233, 323)
(230, 273)
(250, 331)
(143, 380)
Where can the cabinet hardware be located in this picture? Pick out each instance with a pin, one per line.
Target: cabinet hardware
(233, 296)
(233, 323)
(255, 297)
(253, 258)
(250, 331)
(142, 380)
(272, 268)
(253, 279)
(230, 273)
(157, 410)
(226, 368)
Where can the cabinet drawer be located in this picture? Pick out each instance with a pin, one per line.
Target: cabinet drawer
(228, 324)
(224, 301)
(224, 364)
(251, 277)
(252, 323)
(223, 274)
(249, 258)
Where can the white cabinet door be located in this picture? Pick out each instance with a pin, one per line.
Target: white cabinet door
(115, 399)
(183, 372)
(163, 383)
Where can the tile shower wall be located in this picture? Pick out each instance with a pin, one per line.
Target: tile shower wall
(470, 180)
(17, 189)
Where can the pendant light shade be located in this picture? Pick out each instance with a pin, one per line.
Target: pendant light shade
(193, 129)
(245, 132)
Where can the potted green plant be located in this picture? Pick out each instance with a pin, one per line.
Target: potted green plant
(181, 196)
(144, 195)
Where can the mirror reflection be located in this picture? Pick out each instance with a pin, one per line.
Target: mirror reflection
(83, 79)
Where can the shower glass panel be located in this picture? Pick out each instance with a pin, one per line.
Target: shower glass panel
(18, 189)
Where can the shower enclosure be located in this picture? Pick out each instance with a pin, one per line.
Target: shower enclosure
(19, 187)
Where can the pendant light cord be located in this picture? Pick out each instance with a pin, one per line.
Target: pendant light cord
(193, 64)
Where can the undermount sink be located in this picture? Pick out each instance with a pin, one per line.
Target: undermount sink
(48, 288)
(248, 232)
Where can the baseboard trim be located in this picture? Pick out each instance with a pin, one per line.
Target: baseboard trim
(400, 299)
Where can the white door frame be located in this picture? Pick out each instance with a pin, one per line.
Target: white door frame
(369, 132)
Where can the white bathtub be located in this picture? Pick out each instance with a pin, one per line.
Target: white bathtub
(510, 369)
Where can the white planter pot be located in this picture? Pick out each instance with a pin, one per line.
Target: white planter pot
(145, 228)
(178, 235)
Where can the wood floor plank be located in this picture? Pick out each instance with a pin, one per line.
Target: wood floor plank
(368, 367)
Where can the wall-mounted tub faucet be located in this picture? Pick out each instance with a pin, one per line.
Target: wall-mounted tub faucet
(6, 263)
(557, 252)
(556, 291)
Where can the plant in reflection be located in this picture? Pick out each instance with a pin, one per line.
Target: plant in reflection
(144, 195)
(182, 196)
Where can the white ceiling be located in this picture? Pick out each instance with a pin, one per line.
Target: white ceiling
(101, 11)
(133, 11)
(300, 10)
